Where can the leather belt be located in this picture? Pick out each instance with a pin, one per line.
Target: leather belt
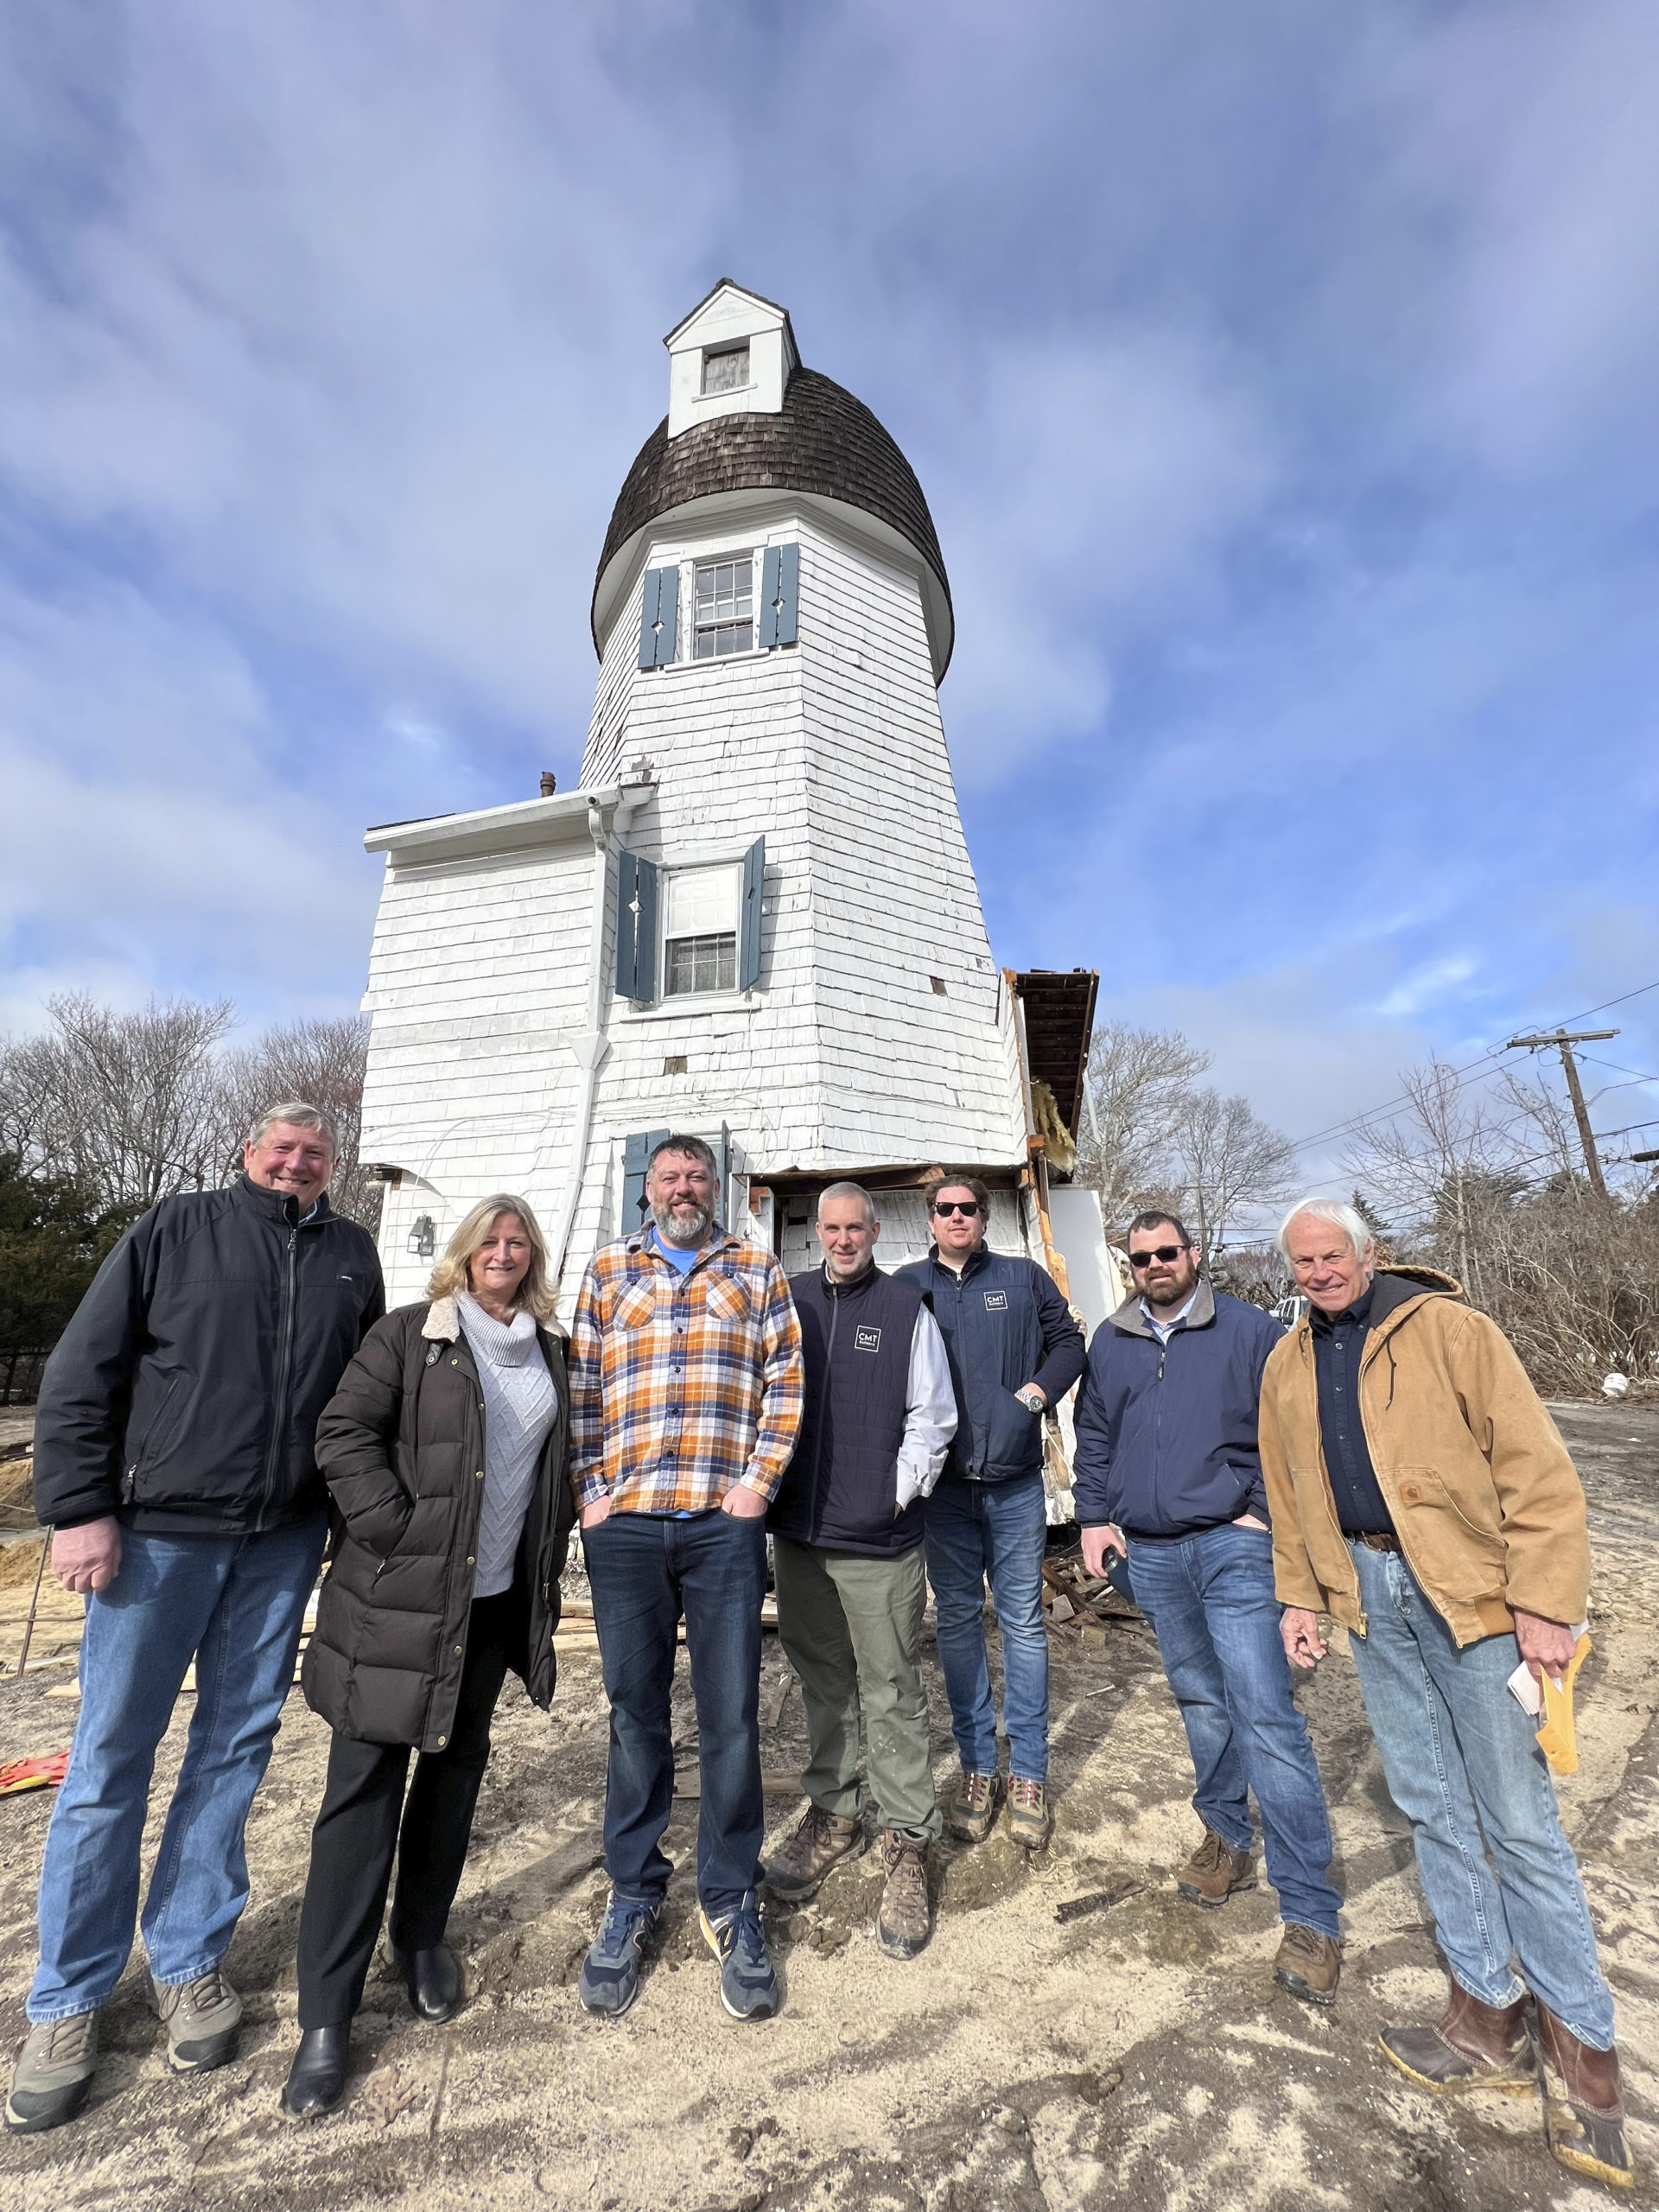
(1372, 1540)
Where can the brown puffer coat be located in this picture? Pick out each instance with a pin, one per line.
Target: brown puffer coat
(1483, 1497)
(400, 1443)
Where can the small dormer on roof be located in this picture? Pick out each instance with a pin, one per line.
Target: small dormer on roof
(733, 355)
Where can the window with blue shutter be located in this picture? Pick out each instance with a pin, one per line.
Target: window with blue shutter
(748, 947)
(636, 928)
(636, 1154)
(659, 618)
(780, 584)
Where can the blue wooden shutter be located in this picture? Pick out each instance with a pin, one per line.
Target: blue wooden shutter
(748, 934)
(636, 928)
(660, 628)
(781, 578)
(725, 1176)
(636, 1154)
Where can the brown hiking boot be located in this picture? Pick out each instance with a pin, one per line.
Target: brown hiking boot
(971, 1813)
(1308, 1965)
(1030, 1821)
(1584, 2114)
(1215, 1871)
(819, 1840)
(1475, 2046)
(904, 1919)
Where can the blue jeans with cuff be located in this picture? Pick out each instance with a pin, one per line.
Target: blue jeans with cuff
(1463, 1766)
(645, 1571)
(994, 1533)
(235, 1606)
(1211, 1601)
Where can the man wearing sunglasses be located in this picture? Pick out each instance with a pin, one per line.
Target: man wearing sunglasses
(1167, 1459)
(1015, 1352)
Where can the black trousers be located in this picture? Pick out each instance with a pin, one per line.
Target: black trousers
(365, 1821)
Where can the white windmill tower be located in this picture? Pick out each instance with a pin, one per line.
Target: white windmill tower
(756, 918)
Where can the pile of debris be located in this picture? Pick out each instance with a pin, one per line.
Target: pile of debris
(1083, 1606)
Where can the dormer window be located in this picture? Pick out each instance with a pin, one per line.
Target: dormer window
(725, 368)
(724, 604)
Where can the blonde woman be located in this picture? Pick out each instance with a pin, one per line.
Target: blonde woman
(444, 1452)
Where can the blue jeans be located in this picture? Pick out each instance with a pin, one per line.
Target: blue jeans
(646, 1570)
(1463, 1766)
(992, 1532)
(234, 1604)
(1209, 1599)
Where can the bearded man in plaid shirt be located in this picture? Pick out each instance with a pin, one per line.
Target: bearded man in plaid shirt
(686, 1387)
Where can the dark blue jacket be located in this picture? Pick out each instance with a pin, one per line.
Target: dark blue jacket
(1004, 1324)
(1166, 1433)
(841, 1490)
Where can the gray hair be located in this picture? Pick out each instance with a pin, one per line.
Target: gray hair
(849, 1190)
(1347, 1218)
(298, 1116)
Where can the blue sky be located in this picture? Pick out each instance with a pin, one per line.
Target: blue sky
(1282, 379)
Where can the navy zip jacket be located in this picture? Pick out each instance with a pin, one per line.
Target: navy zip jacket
(1166, 1438)
(1004, 1324)
(841, 1490)
(184, 1395)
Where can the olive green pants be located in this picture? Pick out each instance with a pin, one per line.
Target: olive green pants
(852, 1627)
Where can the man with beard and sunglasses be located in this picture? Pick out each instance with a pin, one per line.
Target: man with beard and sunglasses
(1015, 1350)
(686, 1385)
(1167, 1459)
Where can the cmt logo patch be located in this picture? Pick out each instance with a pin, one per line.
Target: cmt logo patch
(866, 1339)
(996, 1301)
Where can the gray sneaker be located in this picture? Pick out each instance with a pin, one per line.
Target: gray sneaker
(203, 2018)
(53, 2076)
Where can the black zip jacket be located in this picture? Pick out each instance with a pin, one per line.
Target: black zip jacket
(1004, 1324)
(185, 1393)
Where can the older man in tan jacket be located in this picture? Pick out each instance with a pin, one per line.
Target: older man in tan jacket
(1420, 1494)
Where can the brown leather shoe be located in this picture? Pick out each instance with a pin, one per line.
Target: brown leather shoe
(1474, 2046)
(904, 1919)
(971, 1813)
(1031, 1819)
(1215, 1871)
(819, 1840)
(1584, 2114)
(1308, 1965)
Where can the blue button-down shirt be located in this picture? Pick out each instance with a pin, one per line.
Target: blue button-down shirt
(1339, 1347)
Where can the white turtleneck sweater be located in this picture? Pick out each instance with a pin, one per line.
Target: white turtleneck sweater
(520, 1405)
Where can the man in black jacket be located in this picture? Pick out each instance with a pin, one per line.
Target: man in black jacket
(847, 1537)
(173, 1464)
(1015, 1350)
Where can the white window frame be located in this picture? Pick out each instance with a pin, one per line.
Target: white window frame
(698, 564)
(724, 352)
(734, 871)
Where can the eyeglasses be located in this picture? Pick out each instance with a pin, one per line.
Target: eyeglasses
(1164, 1252)
(967, 1206)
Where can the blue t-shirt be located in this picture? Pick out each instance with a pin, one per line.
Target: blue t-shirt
(681, 1256)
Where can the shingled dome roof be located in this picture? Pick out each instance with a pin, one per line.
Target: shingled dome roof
(825, 442)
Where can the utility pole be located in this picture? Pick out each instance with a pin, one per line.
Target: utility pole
(1563, 1041)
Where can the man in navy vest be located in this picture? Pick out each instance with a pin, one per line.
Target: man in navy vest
(1168, 1457)
(1014, 1350)
(847, 1542)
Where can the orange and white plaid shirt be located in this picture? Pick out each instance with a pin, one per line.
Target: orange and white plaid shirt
(683, 1385)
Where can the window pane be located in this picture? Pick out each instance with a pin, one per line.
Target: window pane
(701, 964)
(699, 901)
(726, 372)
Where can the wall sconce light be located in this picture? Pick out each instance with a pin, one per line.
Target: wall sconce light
(422, 1239)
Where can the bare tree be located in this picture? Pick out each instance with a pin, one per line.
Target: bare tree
(1230, 1162)
(1138, 1088)
(323, 1062)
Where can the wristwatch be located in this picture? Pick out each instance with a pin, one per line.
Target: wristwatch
(1031, 1399)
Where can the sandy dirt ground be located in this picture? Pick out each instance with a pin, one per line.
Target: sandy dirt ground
(1076, 2037)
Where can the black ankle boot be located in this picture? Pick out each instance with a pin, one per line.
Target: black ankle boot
(433, 1980)
(316, 2080)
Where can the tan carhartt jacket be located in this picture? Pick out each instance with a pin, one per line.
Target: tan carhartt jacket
(1486, 1504)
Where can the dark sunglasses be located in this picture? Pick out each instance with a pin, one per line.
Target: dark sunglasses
(968, 1206)
(1164, 1252)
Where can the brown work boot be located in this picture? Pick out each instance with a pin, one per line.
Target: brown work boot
(1475, 2046)
(820, 1838)
(1030, 1821)
(1308, 1965)
(1584, 2114)
(904, 1921)
(971, 1813)
(1215, 1871)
